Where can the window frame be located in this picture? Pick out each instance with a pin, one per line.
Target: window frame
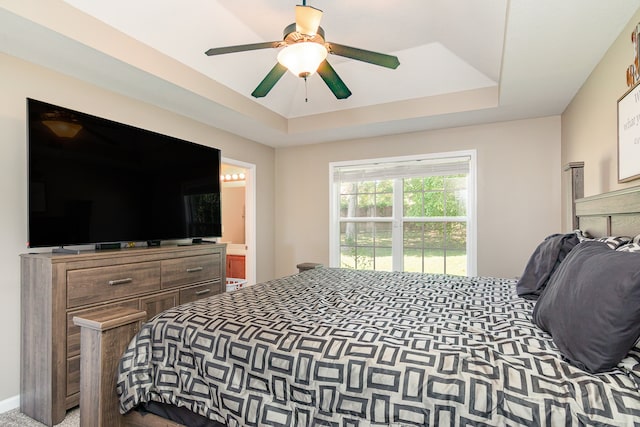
(471, 217)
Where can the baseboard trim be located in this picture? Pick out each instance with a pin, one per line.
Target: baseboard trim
(9, 404)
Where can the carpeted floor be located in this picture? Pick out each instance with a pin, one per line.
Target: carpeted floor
(15, 418)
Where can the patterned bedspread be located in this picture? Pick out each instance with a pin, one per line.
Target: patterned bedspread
(360, 348)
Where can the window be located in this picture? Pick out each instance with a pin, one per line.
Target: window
(410, 213)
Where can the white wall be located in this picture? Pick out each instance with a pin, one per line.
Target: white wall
(519, 179)
(20, 80)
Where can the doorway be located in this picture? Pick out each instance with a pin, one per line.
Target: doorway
(237, 181)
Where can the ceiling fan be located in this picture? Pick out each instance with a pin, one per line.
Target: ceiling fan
(304, 52)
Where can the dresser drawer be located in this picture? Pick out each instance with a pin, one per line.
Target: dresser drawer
(193, 269)
(158, 303)
(201, 291)
(73, 375)
(94, 285)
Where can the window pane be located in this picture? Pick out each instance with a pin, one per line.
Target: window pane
(348, 257)
(348, 205)
(434, 203)
(457, 203)
(434, 261)
(435, 247)
(434, 235)
(347, 234)
(366, 245)
(365, 205)
(435, 196)
(456, 248)
(383, 234)
(382, 246)
(457, 235)
(434, 183)
(457, 262)
(456, 195)
(413, 235)
(364, 234)
(413, 260)
(413, 205)
(412, 185)
(366, 187)
(384, 205)
(366, 199)
(383, 261)
(348, 188)
(363, 259)
(348, 245)
(456, 182)
(385, 186)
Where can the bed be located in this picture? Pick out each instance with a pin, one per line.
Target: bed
(340, 347)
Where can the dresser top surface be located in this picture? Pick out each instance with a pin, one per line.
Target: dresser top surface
(143, 251)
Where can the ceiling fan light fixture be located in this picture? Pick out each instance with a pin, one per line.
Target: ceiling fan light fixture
(302, 59)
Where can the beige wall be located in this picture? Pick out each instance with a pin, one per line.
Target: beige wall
(233, 213)
(589, 124)
(20, 80)
(519, 179)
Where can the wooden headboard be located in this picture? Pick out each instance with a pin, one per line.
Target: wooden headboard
(616, 213)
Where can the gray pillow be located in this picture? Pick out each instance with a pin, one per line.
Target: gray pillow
(591, 306)
(543, 262)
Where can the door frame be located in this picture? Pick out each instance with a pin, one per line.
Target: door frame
(250, 216)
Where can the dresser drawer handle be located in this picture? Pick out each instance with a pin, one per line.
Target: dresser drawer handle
(120, 281)
(194, 269)
(202, 292)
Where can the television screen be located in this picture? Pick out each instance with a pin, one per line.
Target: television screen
(93, 180)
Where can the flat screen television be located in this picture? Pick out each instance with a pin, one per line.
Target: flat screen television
(96, 181)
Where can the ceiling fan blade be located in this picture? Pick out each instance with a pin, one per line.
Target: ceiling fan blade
(333, 80)
(307, 19)
(269, 81)
(241, 48)
(371, 57)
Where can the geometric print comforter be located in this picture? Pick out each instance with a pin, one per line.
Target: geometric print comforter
(334, 347)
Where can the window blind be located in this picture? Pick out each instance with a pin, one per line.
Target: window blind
(402, 169)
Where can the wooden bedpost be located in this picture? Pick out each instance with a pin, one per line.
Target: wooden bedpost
(104, 337)
(575, 188)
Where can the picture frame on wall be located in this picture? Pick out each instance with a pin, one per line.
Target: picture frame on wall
(629, 135)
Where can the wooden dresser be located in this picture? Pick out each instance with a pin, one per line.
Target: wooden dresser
(57, 287)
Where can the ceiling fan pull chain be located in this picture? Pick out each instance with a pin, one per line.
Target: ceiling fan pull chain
(306, 94)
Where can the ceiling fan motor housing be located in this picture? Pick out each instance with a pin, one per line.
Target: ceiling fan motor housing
(290, 35)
